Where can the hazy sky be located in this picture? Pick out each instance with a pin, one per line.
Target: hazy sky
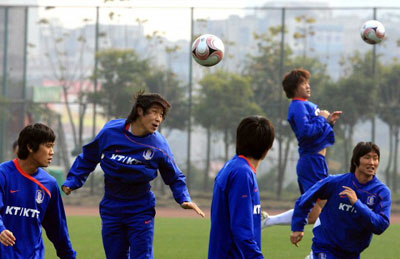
(176, 25)
(207, 3)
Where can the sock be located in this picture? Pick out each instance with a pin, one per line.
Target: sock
(284, 218)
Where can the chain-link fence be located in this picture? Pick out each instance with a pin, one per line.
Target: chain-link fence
(53, 69)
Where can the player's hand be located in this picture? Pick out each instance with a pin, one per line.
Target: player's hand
(192, 206)
(296, 237)
(350, 193)
(7, 238)
(334, 116)
(66, 190)
(324, 113)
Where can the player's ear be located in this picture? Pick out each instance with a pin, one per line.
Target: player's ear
(140, 111)
(29, 148)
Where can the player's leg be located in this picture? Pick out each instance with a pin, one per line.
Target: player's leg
(310, 169)
(114, 233)
(141, 235)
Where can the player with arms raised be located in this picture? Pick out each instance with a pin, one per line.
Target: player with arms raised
(314, 131)
(130, 152)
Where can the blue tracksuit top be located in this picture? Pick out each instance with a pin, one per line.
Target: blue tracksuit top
(129, 163)
(345, 229)
(28, 202)
(313, 132)
(235, 213)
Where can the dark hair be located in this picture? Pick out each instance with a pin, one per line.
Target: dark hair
(361, 149)
(293, 79)
(145, 101)
(254, 136)
(33, 136)
(15, 145)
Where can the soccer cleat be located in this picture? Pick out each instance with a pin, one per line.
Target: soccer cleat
(264, 219)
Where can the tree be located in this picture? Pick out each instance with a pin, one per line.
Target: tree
(265, 74)
(224, 99)
(121, 73)
(388, 110)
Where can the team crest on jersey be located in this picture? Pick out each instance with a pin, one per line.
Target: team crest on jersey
(371, 200)
(148, 154)
(321, 256)
(39, 196)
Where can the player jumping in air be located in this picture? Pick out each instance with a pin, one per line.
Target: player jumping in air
(130, 152)
(30, 198)
(314, 131)
(358, 206)
(236, 208)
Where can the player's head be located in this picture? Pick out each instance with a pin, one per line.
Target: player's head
(37, 139)
(294, 80)
(360, 150)
(254, 137)
(143, 103)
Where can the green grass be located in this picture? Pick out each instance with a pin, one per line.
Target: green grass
(188, 239)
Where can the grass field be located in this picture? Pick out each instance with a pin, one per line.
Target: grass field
(187, 238)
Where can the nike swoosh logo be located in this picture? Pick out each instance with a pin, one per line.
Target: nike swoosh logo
(14, 191)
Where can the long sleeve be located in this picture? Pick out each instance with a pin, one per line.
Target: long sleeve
(55, 224)
(306, 202)
(308, 127)
(84, 164)
(2, 181)
(174, 177)
(241, 215)
(379, 220)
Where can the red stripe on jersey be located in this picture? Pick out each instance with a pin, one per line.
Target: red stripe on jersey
(252, 167)
(30, 177)
(300, 99)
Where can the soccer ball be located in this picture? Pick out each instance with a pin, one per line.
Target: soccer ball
(372, 32)
(208, 50)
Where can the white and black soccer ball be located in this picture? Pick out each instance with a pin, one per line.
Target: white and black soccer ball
(372, 32)
(208, 50)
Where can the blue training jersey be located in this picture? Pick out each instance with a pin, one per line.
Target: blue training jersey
(28, 202)
(129, 163)
(313, 132)
(345, 230)
(236, 212)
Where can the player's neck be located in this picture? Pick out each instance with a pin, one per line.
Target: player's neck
(255, 163)
(363, 178)
(137, 129)
(28, 166)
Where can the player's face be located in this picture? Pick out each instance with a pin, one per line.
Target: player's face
(303, 90)
(44, 155)
(368, 164)
(152, 119)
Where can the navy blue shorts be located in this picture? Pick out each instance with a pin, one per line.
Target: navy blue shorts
(128, 227)
(310, 169)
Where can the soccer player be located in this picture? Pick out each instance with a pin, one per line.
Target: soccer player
(358, 205)
(30, 198)
(130, 151)
(314, 132)
(236, 209)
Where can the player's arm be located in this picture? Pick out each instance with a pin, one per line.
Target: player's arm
(377, 220)
(173, 176)
(55, 224)
(309, 127)
(7, 238)
(303, 206)
(241, 214)
(83, 165)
